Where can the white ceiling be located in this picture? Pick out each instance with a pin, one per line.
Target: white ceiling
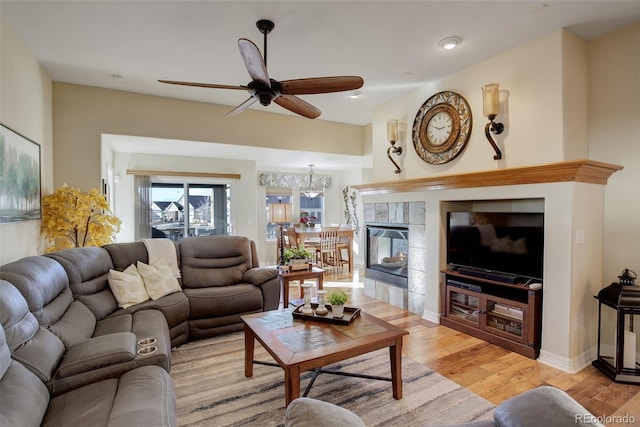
(393, 45)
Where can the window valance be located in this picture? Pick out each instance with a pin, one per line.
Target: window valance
(293, 180)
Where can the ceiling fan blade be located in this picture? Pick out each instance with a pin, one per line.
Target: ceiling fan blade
(321, 85)
(253, 61)
(240, 108)
(298, 106)
(210, 85)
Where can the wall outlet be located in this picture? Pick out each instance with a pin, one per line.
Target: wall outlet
(579, 237)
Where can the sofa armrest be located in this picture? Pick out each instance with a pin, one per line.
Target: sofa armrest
(543, 406)
(259, 275)
(98, 352)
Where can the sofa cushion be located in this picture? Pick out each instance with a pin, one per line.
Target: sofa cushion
(142, 397)
(87, 269)
(125, 254)
(44, 285)
(217, 302)
(210, 261)
(24, 398)
(159, 279)
(37, 348)
(76, 324)
(127, 287)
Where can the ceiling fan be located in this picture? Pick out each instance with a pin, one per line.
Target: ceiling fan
(265, 89)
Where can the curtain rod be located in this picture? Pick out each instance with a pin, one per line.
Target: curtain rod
(185, 174)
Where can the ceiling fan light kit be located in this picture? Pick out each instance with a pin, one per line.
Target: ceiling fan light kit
(264, 89)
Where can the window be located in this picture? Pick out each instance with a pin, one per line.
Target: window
(186, 209)
(313, 206)
(272, 227)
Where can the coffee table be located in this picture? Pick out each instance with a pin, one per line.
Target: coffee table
(299, 345)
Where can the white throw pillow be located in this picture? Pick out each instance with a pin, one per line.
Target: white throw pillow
(127, 286)
(158, 278)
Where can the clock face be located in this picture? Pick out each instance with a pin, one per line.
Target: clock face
(439, 128)
(442, 127)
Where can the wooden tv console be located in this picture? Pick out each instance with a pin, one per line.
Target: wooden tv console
(505, 314)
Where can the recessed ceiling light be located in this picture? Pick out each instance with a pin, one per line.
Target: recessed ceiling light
(449, 42)
(355, 94)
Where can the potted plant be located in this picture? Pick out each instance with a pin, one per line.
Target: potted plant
(73, 218)
(297, 258)
(337, 300)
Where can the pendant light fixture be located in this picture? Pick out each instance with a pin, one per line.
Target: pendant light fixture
(310, 192)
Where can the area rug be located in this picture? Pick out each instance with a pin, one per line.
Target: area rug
(212, 390)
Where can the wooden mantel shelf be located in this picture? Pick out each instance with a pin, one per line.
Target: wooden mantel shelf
(588, 171)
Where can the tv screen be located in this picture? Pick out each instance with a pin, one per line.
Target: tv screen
(503, 242)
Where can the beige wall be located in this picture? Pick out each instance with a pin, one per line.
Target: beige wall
(83, 114)
(531, 108)
(614, 136)
(25, 106)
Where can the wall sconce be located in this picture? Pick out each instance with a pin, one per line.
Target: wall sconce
(491, 108)
(392, 136)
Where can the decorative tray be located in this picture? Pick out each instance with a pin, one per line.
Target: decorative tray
(350, 314)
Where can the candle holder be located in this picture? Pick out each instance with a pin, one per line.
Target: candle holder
(491, 108)
(392, 135)
(306, 308)
(322, 307)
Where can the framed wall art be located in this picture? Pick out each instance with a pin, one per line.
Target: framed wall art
(19, 177)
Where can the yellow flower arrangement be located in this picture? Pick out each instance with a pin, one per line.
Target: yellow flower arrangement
(72, 218)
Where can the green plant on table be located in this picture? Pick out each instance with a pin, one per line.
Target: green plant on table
(295, 253)
(337, 298)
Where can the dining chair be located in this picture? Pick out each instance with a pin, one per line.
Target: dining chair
(343, 245)
(327, 250)
(292, 239)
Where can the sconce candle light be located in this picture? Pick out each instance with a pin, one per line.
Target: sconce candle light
(392, 136)
(491, 108)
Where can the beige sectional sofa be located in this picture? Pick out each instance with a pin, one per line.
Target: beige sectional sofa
(97, 363)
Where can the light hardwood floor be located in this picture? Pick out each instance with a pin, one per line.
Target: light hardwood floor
(486, 369)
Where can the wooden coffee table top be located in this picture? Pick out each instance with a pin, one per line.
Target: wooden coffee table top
(309, 344)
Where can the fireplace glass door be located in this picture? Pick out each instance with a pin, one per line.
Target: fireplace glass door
(388, 254)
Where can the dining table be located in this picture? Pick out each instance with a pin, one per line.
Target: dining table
(311, 234)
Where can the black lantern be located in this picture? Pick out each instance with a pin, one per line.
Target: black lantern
(618, 322)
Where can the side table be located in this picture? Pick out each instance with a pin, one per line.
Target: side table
(301, 275)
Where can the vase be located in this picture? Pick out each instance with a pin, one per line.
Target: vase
(306, 308)
(337, 310)
(322, 307)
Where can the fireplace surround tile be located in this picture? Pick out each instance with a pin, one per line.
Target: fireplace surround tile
(413, 214)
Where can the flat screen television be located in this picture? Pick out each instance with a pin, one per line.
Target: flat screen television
(501, 242)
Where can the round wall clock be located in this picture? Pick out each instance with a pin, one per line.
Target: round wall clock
(442, 127)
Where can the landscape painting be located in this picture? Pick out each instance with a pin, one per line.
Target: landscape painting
(19, 177)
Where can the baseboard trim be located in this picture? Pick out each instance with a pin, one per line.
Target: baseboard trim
(568, 365)
(431, 316)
